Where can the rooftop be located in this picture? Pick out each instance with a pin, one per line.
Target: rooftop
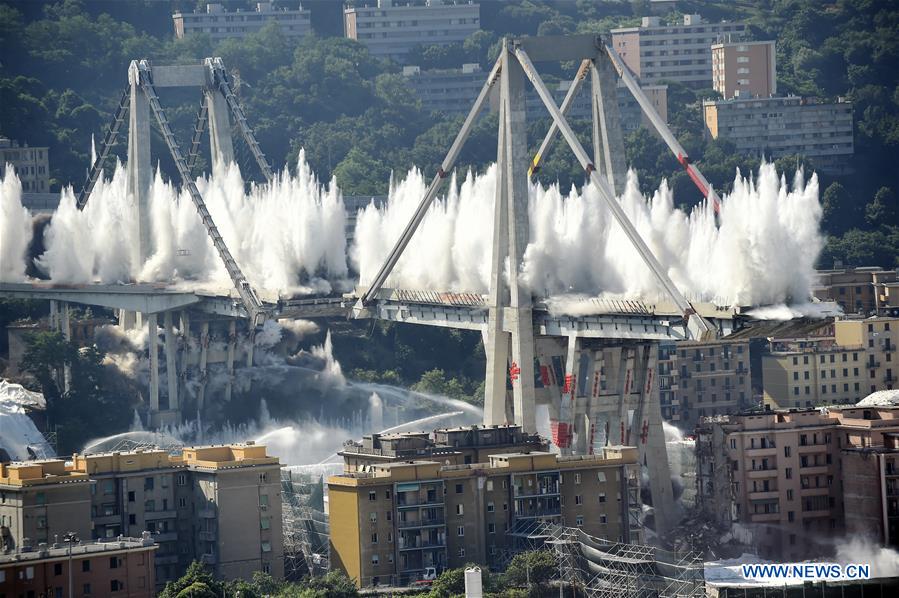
(60, 550)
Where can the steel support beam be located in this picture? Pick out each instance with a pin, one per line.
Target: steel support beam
(553, 132)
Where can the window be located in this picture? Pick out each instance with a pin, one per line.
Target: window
(266, 547)
(40, 498)
(387, 494)
(374, 559)
(489, 485)
(131, 496)
(458, 488)
(85, 565)
(148, 483)
(86, 588)
(460, 531)
(263, 500)
(132, 518)
(788, 473)
(57, 569)
(374, 538)
(601, 476)
(490, 507)
(265, 523)
(786, 451)
(491, 528)
(373, 517)
(579, 521)
(578, 500)
(602, 497)
(182, 479)
(603, 519)
(182, 502)
(460, 510)
(149, 506)
(113, 562)
(461, 552)
(266, 567)
(372, 495)
(577, 478)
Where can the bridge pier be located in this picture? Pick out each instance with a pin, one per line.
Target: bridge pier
(139, 169)
(171, 369)
(152, 333)
(220, 143)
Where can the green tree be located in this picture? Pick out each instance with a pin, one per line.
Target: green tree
(537, 567)
(882, 211)
(838, 209)
(197, 578)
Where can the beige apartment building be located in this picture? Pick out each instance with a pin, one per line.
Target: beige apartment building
(780, 126)
(866, 290)
(656, 52)
(391, 521)
(218, 504)
(120, 568)
(780, 474)
(31, 164)
(744, 69)
(703, 379)
(391, 29)
(855, 362)
(871, 487)
(219, 24)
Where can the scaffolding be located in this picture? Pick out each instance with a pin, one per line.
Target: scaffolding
(600, 568)
(304, 525)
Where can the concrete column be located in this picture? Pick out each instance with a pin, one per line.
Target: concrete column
(171, 369)
(251, 345)
(204, 349)
(154, 365)
(232, 345)
(66, 327)
(656, 450)
(185, 345)
(496, 339)
(127, 319)
(139, 170)
(219, 128)
(568, 407)
(54, 316)
(520, 316)
(608, 140)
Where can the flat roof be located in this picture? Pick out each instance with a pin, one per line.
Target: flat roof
(60, 550)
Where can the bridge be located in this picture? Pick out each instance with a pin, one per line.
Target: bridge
(592, 365)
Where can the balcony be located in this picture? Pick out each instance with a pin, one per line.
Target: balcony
(429, 522)
(166, 559)
(815, 470)
(872, 364)
(165, 537)
(539, 513)
(765, 517)
(813, 491)
(208, 559)
(813, 447)
(151, 515)
(764, 495)
(422, 502)
(541, 491)
(207, 536)
(762, 473)
(206, 513)
(768, 451)
(424, 545)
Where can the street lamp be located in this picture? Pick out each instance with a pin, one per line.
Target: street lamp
(70, 537)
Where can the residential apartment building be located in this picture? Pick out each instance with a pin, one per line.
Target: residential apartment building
(453, 92)
(656, 52)
(871, 487)
(391, 30)
(830, 370)
(123, 567)
(865, 290)
(31, 164)
(775, 127)
(220, 24)
(703, 379)
(219, 504)
(393, 520)
(744, 69)
(780, 474)
(449, 446)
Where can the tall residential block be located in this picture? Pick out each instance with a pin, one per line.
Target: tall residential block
(220, 24)
(118, 568)
(776, 127)
(31, 164)
(744, 69)
(829, 370)
(391, 29)
(871, 487)
(656, 52)
(391, 520)
(703, 379)
(220, 505)
(782, 474)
